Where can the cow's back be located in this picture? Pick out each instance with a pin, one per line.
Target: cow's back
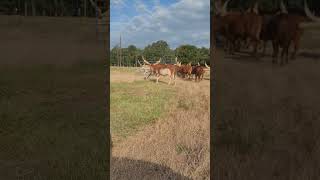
(286, 29)
(253, 24)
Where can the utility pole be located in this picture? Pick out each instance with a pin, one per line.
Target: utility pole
(118, 57)
(120, 52)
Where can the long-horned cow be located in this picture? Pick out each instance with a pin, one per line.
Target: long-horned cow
(185, 69)
(145, 68)
(237, 26)
(161, 70)
(285, 29)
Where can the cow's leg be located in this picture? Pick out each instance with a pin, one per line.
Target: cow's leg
(146, 75)
(255, 43)
(149, 75)
(287, 53)
(296, 47)
(275, 52)
(158, 77)
(282, 56)
(226, 45)
(264, 48)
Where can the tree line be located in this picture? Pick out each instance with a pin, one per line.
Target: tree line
(52, 7)
(130, 55)
(294, 6)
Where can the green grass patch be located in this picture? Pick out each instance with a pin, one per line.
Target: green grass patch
(54, 115)
(123, 69)
(136, 104)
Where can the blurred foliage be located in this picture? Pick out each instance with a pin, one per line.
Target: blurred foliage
(50, 7)
(160, 49)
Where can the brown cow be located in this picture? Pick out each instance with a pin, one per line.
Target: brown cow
(286, 29)
(162, 70)
(198, 71)
(185, 69)
(237, 26)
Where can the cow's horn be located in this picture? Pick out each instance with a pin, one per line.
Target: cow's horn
(145, 61)
(139, 62)
(224, 8)
(216, 7)
(256, 8)
(158, 61)
(309, 13)
(283, 7)
(205, 63)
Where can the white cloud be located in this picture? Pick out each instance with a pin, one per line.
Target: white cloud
(186, 21)
(117, 2)
(141, 7)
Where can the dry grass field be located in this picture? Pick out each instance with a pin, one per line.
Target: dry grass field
(172, 142)
(267, 117)
(52, 99)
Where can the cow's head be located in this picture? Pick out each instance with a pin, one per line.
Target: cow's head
(283, 8)
(254, 8)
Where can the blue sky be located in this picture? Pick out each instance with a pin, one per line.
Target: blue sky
(142, 22)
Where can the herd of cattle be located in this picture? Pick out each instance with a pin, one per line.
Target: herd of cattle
(252, 28)
(172, 70)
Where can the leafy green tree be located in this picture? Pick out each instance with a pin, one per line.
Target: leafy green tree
(187, 53)
(114, 56)
(203, 55)
(156, 50)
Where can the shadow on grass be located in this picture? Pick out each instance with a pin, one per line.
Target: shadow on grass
(160, 81)
(124, 168)
(310, 55)
(54, 169)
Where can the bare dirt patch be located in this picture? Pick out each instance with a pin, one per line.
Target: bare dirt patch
(124, 77)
